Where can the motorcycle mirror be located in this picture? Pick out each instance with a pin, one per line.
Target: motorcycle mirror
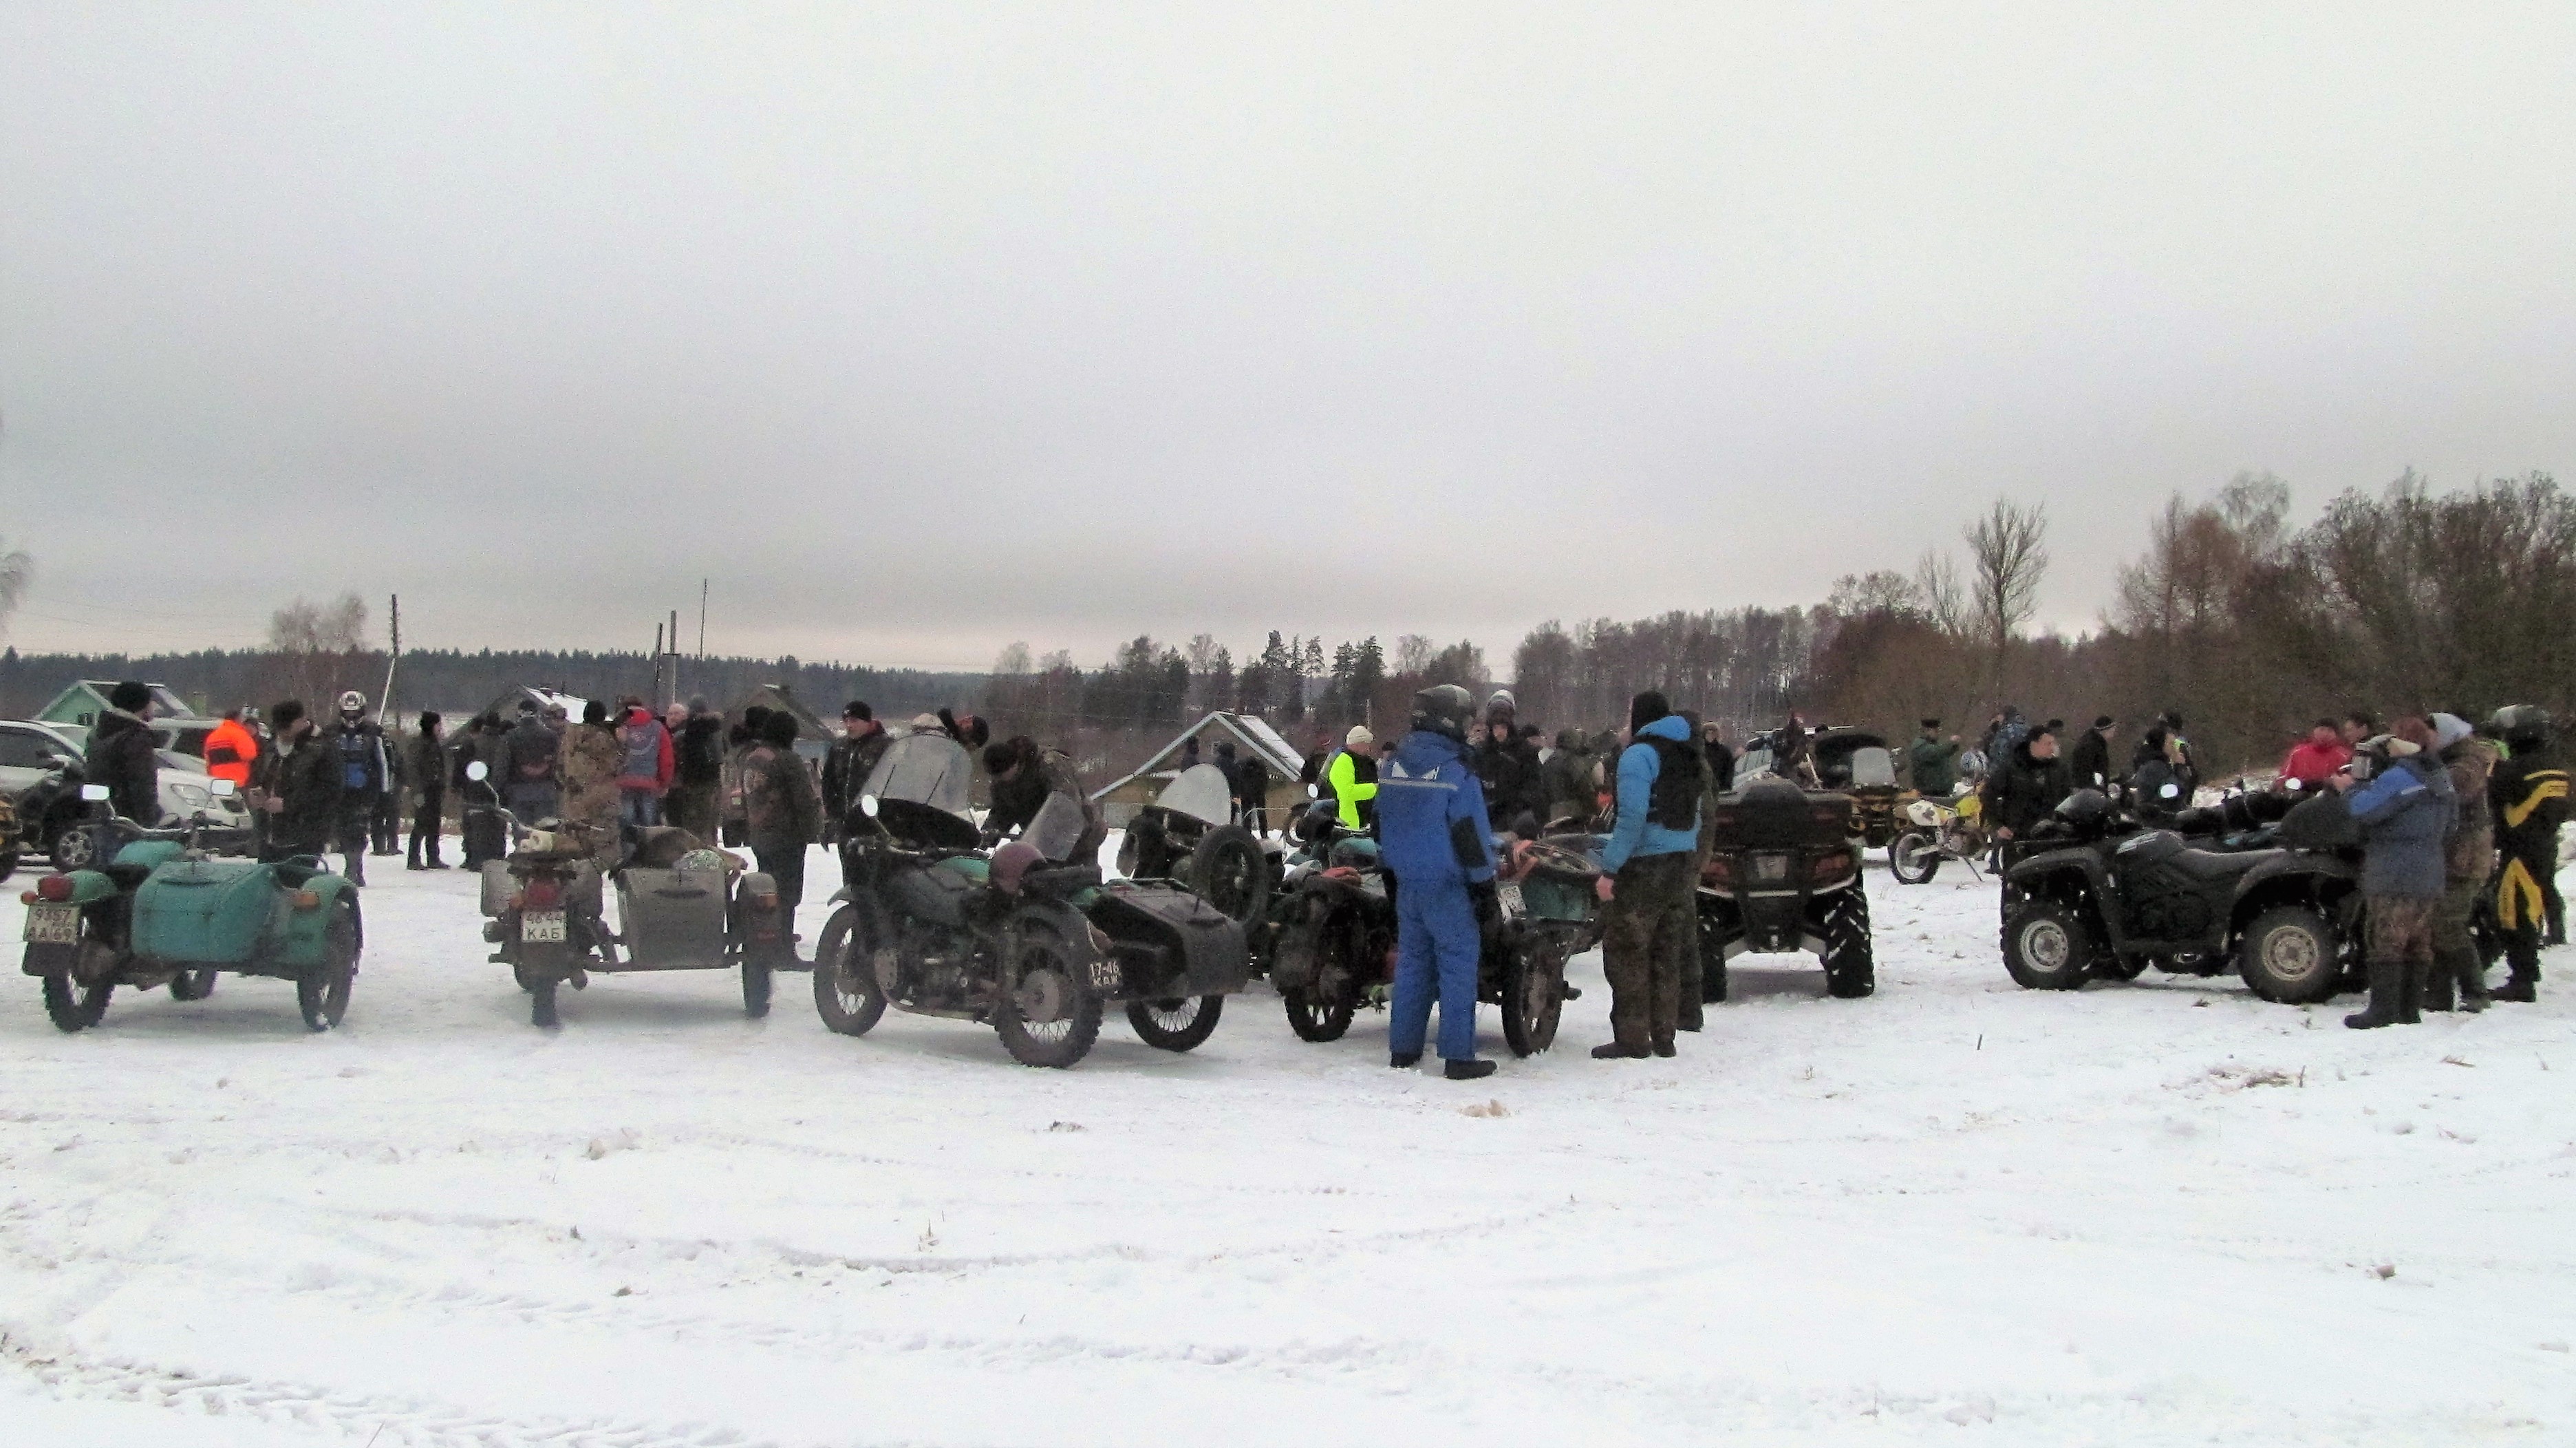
(2171, 791)
(868, 805)
(478, 771)
(223, 789)
(1314, 791)
(2293, 785)
(93, 792)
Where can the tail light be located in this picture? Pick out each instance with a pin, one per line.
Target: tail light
(55, 888)
(542, 895)
(1828, 869)
(308, 899)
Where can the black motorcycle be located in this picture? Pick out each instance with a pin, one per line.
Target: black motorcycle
(2275, 899)
(1020, 937)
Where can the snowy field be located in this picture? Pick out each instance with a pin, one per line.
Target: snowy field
(1958, 1213)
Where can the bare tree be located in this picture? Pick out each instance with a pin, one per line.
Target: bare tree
(1414, 653)
(2008, 549)
(1945, 602)
(17, 570)
(317, 644)
(1013, 661)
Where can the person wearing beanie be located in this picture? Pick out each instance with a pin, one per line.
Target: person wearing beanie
(121, 754)
(697, 776)
(1934, 762)
(1649, 878)
(2088, 764)
(1350, 779)
(428, 772)
(847, 766)
(1434, 838)
(1507, 764)
(295, 786)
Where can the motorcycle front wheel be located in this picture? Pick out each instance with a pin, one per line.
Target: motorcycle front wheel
(846, 994)
(1178, 1024)
(1533, 996)
(192, 985)
(1914, 858)
(1315, 1020)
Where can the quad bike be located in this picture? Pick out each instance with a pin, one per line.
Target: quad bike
(683, 906)
(1187, 836)
(1853, 763)
(1939, 830)
(1020, 937)
(1783, 877)
(2278, 904)
(164, 911)
(1334, 948)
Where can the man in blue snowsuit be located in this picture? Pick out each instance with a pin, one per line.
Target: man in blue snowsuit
(1434, 840)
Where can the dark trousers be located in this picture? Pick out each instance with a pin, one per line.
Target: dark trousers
(1650, 931)
(486, 838)
(787, 867)
(357, 831)
(387, 825)
(426, 822)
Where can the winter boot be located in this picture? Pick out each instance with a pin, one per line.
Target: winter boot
(2436, 995)
(1404, 1060)
(2520, 989)
(1467, 1070)
(1614, 1051)
(2387, 981)
(1664, 1048)
(2411, 991)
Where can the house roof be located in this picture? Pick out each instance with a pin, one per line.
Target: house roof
(89, 697)
(508, 704)
(1246, 731)
(780, 696)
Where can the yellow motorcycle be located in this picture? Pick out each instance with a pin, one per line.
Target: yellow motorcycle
(1937, 830)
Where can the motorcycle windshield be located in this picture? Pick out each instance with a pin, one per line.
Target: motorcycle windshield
(1201, 793)
(1057, 829)
(924, 769)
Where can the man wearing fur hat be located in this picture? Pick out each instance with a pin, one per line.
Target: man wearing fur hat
(120, 754)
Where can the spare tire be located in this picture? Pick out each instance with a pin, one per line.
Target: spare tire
(1228, 872)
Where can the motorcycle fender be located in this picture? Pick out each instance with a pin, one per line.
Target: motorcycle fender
(1299, 953)
(842, 896)
(302, 935)
(46, 959)
(1188, 946)
(2031, 874)
(89, 887)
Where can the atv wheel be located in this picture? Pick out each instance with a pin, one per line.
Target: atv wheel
(73, 1007)
(1533, 996)
(1175, 1025)
(846, 993)
(1850, 968)
(541, 1005)
(322, 993)
(1228, 872)
(192, 985)
(1044, 1016)
(1313, 1021)
(755, 987)
(1914, 858)
(1712, 959)
(2048, 946)
(2289, 956)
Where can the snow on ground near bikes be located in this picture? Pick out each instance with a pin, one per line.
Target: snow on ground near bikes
(1956, 1213)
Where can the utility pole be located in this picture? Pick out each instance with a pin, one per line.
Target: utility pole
(671, 681)
(393, 661)
(702, 620)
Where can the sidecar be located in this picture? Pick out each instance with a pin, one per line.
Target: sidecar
(1187, 836)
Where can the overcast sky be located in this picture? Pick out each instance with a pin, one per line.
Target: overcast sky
(923, 328)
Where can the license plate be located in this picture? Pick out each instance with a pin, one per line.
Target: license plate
(1771, 867)
(53, 925)
(542, 927)
(1511, 898)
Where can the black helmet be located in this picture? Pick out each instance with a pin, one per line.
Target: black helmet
(1444, 709)
(2524, 726)
(2085, 808)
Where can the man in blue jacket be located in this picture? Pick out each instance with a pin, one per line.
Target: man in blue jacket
(1650, 864)
(1434, 841)
(2405, 813)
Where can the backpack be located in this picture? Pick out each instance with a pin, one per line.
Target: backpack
(1681, 778)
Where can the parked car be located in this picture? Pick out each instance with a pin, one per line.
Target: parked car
(40, 769)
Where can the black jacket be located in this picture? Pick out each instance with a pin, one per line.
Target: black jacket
(2088, 764)
(1513, 787)
(309, 780)
(2024, 790)
(846, 767)
(697, 756)
(121, 756)
(2528, 794)
(429, 766)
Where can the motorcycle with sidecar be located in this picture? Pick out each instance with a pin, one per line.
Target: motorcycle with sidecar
(1021, 937)
(164, 910)
(681, 905)
(1187, 836)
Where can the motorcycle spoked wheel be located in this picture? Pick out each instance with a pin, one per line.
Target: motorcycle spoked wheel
(846, 993)
(322, 994)
(72, 1006)
(1044, 1015)
(1533, 995)
(1179, 1024)
(1914, 858)
(1312, 1014)
(193, 985)
(1227, 871)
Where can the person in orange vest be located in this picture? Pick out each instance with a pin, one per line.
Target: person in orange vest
(230, 748)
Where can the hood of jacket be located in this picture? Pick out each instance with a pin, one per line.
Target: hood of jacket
(1672, 726)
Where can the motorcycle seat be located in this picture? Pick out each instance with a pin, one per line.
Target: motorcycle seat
(2217, 864)
(127, 877)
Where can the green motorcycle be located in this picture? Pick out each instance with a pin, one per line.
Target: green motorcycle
(164, 911)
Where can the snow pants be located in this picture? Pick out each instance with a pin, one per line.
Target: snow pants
(1436, 943)
(2456, 966)
(2522, 911)
(1650, 933)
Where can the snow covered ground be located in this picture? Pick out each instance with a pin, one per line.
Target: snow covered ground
(1956, 1213)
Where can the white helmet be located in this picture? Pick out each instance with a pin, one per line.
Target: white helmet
(353, 702)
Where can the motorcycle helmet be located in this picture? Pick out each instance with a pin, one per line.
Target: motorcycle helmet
(2523, 726)
(2085, 809)
(1011, 865)
(353, 702)
(1444, 709)
(1357, 853)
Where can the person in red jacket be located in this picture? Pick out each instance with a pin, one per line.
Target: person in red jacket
(645, 775)
(230, 748)
(2315, 759)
